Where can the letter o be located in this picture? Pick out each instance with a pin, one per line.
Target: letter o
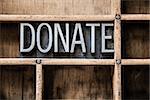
(39, 35)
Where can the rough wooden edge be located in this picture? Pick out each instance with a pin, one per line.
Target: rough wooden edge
(73, 17)
(38, 82)
(117, 82)
(135, 17)
(117, 56)
(117, 39)
(135, 62)
(56, 17)
(45, 61)
(117, 48)
(78, 62)
(17, 61)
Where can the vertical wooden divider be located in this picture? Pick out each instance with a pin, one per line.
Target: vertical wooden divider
(117, 48)
(39, 81)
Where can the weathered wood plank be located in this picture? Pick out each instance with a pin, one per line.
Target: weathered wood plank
(78, 62)
(11, 83)
(39, 82)
(135, 82)
(136, 40)
(17, 61)
(1, 93)
(26, 61)
(59, 7)
(28, 87)
(32, 61)
(56, 17)
(9, 41)
(135, 62)
(78, 82)
(135, 17)
(117, 54)
(17, 82)
(135, 7)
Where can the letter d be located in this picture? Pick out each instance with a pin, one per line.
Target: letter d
(22, 49)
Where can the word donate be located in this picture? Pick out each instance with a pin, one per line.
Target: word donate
(55, 33)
